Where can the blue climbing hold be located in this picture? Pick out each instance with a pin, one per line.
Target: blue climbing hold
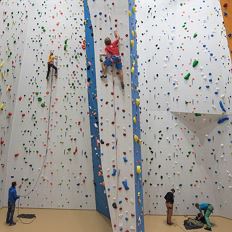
(125, 185)
(223, 119)
(222, 106)
(114, 172)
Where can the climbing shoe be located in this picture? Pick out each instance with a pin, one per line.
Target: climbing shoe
(207, 228)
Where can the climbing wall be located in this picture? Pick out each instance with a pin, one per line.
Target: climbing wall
(50, 151)
(13, 24)
(115, 116)
(185, 87)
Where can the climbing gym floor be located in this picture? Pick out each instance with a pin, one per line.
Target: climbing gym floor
(59, 221)
(89, 221)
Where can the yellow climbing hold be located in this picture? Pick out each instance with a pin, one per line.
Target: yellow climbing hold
(132, 42)
(136, 138)
(1, 64)
(134, 9)
(137, 102)
(138, 169)
(1, 106)
(132, 69)
(134, 119)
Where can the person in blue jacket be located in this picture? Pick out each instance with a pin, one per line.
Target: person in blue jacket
(12, 197)
(208, 209)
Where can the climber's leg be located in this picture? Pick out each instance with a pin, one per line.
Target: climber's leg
(104, 70)
(108, 62)
(49, 69)
(56, 70)
(118, 66)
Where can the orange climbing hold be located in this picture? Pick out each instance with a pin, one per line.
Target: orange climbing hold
(227, 14)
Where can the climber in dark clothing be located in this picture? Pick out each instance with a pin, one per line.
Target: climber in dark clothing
(169, 197)
(12, 197)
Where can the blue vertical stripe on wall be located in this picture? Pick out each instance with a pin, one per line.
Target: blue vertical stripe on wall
(101, 199)
(136, 126)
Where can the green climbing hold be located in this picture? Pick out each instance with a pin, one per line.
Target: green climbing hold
(43, 29)
(195, 35)
(195, 63)
(43, 105)
(186, 77)
(9, 54)
(66, 44)
(39, 99)
(197, 114)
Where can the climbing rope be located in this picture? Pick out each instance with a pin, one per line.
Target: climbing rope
(116, 147)
(46, 152)
(20, 219)
(47, 141)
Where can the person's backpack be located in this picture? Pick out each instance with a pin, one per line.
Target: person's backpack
(191, 224)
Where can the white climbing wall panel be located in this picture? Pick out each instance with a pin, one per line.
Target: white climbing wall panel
(210, 81)
(2, 156)
(115, 113)
(65, 176)
(189, 152)
(13, 24)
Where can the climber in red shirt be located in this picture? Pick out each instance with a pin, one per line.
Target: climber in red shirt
(112, 57)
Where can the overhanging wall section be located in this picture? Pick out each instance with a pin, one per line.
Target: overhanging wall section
(185, 143)
(100, 192)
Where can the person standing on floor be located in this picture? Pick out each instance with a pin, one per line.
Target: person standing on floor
(12, 197)
(51, 59)
(208, 209)
(169, 197)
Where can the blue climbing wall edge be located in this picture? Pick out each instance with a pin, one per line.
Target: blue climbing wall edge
(101, 199)
(136, 113)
